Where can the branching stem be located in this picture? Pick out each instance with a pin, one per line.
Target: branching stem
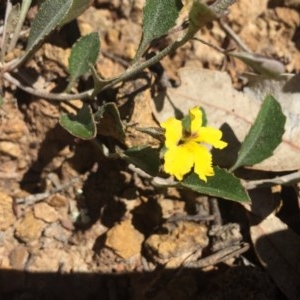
(218, 8)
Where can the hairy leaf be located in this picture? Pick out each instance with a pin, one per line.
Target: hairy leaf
(47, 19)
(84, 54)
(223, 185)
(81, 125)
(159, 17)
(264, 135)
(143, 157)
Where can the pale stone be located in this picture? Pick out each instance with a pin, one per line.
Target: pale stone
(45, 212)
(57, 200)
(181, 240)
(48, 260)
(18, 257)
(124, 240)
(7, 217)
(10, 149)
(29, 228)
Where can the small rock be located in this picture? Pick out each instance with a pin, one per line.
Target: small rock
(4, 261)
(55, 231)
(183, 239)
(18, 257)
(29, 228)
(15, 128)
(7, 217)
(57, 201)
(45, 212)
(124, 239)
(10, 149)
(48, 260)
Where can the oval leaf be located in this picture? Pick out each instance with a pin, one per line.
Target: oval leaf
(84, 54)
(81, 125)
(159, 17)
(264, 135)
(223, 185)
(143, 157)
(47, 19)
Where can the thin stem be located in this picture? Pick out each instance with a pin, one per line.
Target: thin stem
(288, 179)
(4, 37)
(219, 8)
(24, 9)
(45, 95)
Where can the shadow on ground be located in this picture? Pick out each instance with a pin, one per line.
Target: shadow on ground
(226, 283)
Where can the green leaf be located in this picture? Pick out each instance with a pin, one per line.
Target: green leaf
(47, 19)
(143, 157)
(84, 54)
(223, 185)
(109, 122)
(81, 125)
(159, 17)
(77, 8)
(264, 135)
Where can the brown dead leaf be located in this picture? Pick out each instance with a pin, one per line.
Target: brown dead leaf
(224, 105)
(277, 247)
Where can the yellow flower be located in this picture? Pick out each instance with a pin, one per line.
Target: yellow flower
(184, 143)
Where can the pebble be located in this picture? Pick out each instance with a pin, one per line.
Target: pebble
(18, 257)
(124, 239)
(11, 149)
(7, 217)
(29, 228)
(45, 212)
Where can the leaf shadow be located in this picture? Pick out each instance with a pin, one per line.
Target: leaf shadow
(227, 157)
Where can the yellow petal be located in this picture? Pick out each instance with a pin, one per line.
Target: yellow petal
(173, 132)
(196, 119)
(203, 163)
(178, 161)
(211, 136)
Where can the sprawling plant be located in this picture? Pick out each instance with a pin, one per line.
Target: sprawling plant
(183, 150)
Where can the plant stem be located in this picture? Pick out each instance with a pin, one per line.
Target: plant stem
(218, 8)
(24, 9)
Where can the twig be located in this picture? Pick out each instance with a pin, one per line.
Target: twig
(288, 179)
(31, 199)
(219, 8)
(218, 257)
(215, 211)
(45, 95)
(115, 58)
(235, 37)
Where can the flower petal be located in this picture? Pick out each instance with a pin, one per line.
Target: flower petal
(178, 161)
(203, 162)
(196, 119)
(210, 136)
(173, 132)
